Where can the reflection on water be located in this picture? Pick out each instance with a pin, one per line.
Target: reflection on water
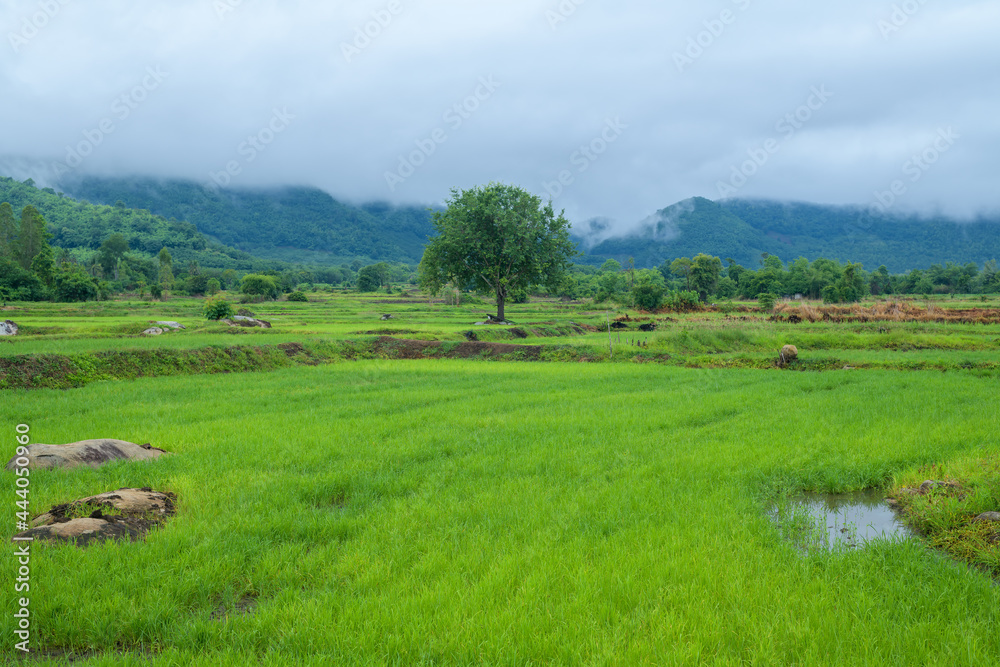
(850, 519)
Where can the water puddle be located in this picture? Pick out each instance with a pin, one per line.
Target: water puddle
(847, 520)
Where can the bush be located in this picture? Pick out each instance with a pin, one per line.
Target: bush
(212, 287)
(259, 285)
(217, 308)
(369, 278)
(156, 291)
(682, 302)
(647, 296)
(766, 301)
(74, 284)
(297, 296)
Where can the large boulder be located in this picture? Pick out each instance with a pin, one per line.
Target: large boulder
(8, 328)
(94, 453)
(168, 325)
(125, 514)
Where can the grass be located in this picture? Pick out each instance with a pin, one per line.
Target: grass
(440, 511)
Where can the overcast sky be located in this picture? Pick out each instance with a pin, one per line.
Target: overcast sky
(633, 105)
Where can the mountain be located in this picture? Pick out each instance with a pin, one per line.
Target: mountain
(743, 229)
(83, 226)
(296, 224)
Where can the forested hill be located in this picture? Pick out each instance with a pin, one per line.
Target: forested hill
(742, 229)
(83, 227)
(295, 224)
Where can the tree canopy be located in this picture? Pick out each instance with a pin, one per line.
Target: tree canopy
(497, 238)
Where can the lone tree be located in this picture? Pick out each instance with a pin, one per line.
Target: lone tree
(497, 238)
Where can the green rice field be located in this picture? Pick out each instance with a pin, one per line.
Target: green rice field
(606, 504)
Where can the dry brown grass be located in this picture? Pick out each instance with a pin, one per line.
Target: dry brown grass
(884, 311)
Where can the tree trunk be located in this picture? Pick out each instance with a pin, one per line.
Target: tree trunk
(500, 304)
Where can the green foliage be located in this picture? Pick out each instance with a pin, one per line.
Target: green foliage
(705, 271)
(196, 285)
(84, 227)
(74, 284)
(156, 291)
(8, 231)
(497, 238)
(743, 229)
(647, 296)
(372, 277)
(111, 252)
(217, 308)
(212, 286)
(766, 301)
(19, 284)
(259, 286)
(298, 296)
(267, 222)
(683, 301)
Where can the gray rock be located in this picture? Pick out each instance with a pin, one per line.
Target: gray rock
(8, 328)
(929, 484)
(93, 453)
(125, 514)
(385, 317)
(244, 321)
(988, 516)
(789, 353)
(130, 502)
(152, 331)
(169, 325)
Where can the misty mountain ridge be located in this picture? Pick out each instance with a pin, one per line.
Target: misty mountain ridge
(744, 229)
(290, 223)
(308, 225)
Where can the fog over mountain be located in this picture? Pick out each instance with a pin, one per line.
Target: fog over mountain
(613, 109)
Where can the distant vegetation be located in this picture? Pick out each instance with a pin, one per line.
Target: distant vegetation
(743, 229)
(293, 223)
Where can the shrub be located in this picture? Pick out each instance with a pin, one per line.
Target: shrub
(156, 291)
(259, 285)
(74, 284)
(216, 308)
(682, 302)
(212, 287)
(297, 296)
(766, 301)
(647, 296)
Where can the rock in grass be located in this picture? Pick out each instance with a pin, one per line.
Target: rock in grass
(988, 516)
(152, 331)
(125, 514)
(8, 328)
(244, 321)
(124, 502)
(789, 353)
(93, 453)
(169, 325)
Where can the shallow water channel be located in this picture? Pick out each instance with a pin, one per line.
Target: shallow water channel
(849, 519)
